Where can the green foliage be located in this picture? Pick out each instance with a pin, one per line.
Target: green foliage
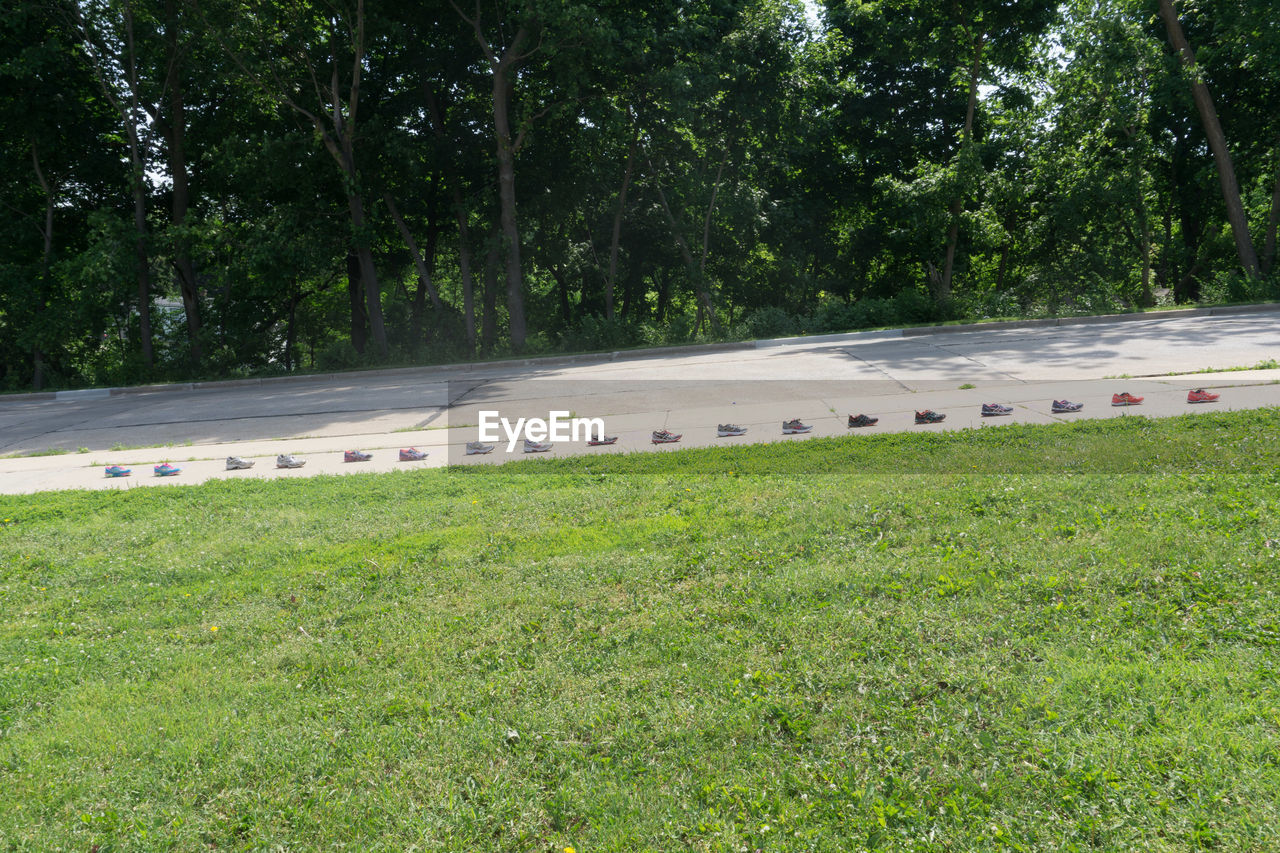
(670, 159)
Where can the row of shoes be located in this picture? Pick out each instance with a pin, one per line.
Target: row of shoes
(1197, 395)
(792, 427)
(284, 460)
(164, 469)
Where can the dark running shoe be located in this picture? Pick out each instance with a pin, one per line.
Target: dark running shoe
(928, 416)
(862, 421)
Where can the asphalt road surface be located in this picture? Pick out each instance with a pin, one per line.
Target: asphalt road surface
(820, 380)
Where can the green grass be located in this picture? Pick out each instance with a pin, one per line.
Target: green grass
(1028, 638)
(1265, 364)
(52, 451)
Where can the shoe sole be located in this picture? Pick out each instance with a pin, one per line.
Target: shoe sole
(730, 434)
(601, 443)
(796, 431)
(1121, 405)
(665, 440)
(479, 452)
(996, 414)
(1202, 401)
(861, 426)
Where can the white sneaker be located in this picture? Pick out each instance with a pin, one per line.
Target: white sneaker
(474, 447)
(537, 446)
(237, 463)
(288, 460)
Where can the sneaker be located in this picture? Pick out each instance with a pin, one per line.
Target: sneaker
(794, 426)
(412, 454)
(356, 456)
(1202, 396)
(601, 440)
(237, 463)
(661, 436)
(730, 429)
(862, 421)
(993, 409)
(288, 460)
(117, 471)
(537, 446)
(928, 416)
(475, 447)
(1125, 399)
(1063, 406)
(167, 470)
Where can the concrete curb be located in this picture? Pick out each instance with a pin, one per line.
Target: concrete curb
(839, 337)
(448, 370)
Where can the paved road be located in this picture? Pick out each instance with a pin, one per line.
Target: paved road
(819, 380)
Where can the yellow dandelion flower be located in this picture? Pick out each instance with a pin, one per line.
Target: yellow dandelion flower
(213, 627)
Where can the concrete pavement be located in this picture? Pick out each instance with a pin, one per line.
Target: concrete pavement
(821, 380)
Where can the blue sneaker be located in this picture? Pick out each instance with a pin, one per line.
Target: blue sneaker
(991, 409)
(117, 471)
(167, 470)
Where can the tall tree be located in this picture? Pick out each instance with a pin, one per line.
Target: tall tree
(321, 51)
(1217, 140)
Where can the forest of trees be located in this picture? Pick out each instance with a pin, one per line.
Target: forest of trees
(205, 188)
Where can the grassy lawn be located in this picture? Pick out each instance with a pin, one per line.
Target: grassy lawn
(1025, 638)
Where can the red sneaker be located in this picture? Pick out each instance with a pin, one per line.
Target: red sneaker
(1125, 399)
(1202, 396)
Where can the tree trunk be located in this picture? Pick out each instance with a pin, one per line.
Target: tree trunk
(489, 322)
(138, 165)
(357, 302)
(464, 270)
(291, 329)
(1273, 220)
(1002, 268)
(1217, 142)
(368, 275)
(507, 200)
(943, 290)
(141, 257)
(420, 264)
(176, 134)
(699, 284)
(616, 238)
(1162, 272)
(1145, 297)
(46, 259)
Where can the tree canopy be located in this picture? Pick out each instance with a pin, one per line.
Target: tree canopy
(234, 187)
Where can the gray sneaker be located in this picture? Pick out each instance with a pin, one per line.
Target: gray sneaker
(288, 460)
(475, 447)
(238, 463)
(537, 446)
